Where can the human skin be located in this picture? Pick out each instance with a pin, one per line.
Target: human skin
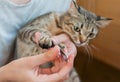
(27, 69)
(19, 2)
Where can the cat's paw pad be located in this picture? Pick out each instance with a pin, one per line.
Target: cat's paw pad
(46, 42)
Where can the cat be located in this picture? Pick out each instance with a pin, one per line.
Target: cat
(79, 24)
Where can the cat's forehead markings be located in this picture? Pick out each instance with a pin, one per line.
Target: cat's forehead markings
(82, 18)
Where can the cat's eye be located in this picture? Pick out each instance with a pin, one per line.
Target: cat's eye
(82, 25)
(76, 28)
(91, 35)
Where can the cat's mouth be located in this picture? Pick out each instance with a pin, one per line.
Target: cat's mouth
(79, 44)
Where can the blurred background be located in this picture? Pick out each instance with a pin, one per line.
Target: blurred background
(103, 64)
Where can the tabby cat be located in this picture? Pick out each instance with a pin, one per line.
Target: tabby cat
(79, 24)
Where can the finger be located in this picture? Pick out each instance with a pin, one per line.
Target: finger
(64, 78)
(45, 71)
(54, 69)
(50, 55)
(71, 48)
(60, 38)
(63, 72)
(58, 64)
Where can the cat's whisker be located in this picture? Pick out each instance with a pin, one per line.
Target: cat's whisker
(94, 47)
(88, 52)
(87, 49)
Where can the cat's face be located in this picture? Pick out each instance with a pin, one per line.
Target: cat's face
(82, 30)
(87, 31)
(82, 25)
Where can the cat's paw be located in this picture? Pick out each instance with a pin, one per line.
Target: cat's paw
(45, 42)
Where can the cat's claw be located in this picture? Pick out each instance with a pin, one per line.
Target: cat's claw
(46, 46)
(62, 52)
(65, 57)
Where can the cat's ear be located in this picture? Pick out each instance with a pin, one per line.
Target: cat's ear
(102, 21)
(73, 10)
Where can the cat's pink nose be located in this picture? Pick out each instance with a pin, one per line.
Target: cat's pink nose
(83, 39)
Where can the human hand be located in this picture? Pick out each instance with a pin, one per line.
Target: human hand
(62, 38)
(69, 50)
(70, 47)
(27, 69)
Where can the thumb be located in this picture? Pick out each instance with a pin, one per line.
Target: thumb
(60, 38)
(50, 55)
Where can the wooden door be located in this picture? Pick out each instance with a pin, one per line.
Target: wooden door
(108, 41)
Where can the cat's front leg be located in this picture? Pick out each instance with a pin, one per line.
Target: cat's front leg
(43, 40)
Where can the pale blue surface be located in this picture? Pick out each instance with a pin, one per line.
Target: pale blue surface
(13, 16)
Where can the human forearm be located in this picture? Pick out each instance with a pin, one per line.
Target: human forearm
(3, 74)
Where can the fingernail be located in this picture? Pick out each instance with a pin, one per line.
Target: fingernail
(71, 58)
(59, 54)
(56, 48)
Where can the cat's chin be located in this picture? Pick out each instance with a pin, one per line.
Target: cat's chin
(79, 45)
